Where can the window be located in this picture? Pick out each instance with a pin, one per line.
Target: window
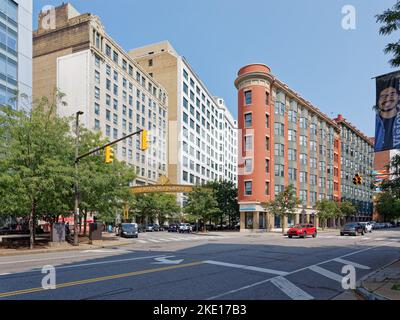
(185, 74)
(303, 196)
(267, 188)
(303, 159)
(97, 77)
(248, 165)
(292, 135)
(279, 170)
(292, 154)
(97, 109)
(279, 129)
(248, 97)
(248, 120)
(279, 108)
(292, 116)
(279, 150)
(115, 57)
(292, 174)
(108, 50)
(97, 93)
(108, 115)
(267, 98)
(267, 166)
(96, 124)
(248, 186)
(248, 142)
(303, 123)
(267, 143)
(303, 141)
(303, 177)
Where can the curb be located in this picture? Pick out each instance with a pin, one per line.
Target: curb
(67, 249)
(365, 293)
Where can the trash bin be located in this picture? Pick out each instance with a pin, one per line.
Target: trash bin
(96, 231)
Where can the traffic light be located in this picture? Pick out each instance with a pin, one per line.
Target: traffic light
(144, 143)
(109, 155)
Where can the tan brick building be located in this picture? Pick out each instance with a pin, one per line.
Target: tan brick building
(77, 56)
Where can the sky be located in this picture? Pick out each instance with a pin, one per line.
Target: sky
(302, 41)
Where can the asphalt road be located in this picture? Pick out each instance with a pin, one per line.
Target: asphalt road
(226, 266)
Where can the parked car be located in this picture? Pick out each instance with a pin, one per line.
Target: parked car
(128, 230)
(156, 227)
(367, 226)
(141, 228)
(352, 229)
(163, 227)
(185, 227)
(303, 231)
(150, 228)
(173, 228)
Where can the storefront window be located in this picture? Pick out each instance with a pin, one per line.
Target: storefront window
(249, 220)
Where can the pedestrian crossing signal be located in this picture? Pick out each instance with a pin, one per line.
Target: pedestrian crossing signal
(109, 155)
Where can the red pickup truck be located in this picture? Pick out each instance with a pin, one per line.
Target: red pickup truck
(303, 231)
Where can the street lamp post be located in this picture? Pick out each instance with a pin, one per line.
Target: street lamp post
(76, 209)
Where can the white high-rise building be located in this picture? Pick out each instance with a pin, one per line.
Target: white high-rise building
(16, 53)
(202, 131)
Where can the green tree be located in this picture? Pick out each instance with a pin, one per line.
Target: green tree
(388, 206)
(347, 209)
(327, 209)
(226, 194)
(201, 204)
(156, 206)
(35, 163)
(284, 205)
(390, 20)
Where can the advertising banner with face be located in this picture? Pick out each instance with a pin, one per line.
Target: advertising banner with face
(387, 130)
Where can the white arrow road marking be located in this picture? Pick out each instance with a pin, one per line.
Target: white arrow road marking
(239, 266)
(327, 273)
(290, 289)
(351, 263)
(165, 260)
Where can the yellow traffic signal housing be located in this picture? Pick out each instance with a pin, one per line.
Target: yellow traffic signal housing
(360, 180)
(109, 155)
(144, 143)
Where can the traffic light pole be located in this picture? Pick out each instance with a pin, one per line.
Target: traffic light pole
(79, 158)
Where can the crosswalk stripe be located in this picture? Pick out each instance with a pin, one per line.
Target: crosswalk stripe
(239, 266)
(351, 263)
(142, 241)
(327, 273)
(152, 240)
(291, 290)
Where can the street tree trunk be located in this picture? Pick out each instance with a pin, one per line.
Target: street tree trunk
(85, 224)
(32, 218)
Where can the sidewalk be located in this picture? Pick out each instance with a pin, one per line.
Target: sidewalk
(109, 240)
(383, 284)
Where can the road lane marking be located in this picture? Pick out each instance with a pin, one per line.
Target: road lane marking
(327, 273)
(152, 240)
(100, 279)
(291, 290)
(296, 271)
(351, 263)
(142, 241)
(239, 266)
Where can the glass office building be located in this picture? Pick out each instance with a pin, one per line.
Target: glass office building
(16, 52)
